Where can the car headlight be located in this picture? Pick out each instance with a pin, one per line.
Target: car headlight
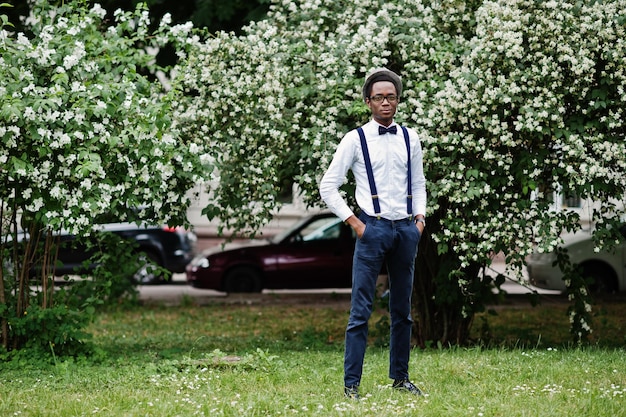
(201, 262)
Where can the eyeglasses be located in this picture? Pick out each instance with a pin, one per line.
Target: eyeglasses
(378, 98)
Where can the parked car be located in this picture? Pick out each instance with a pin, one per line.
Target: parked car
(606, 268)
(170, 248)
(314, 253)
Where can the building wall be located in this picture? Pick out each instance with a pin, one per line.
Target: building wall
(207, 230)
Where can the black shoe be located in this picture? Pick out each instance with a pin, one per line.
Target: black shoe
(352, 392)
(407, 386)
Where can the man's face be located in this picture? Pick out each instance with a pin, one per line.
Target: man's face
(383, 111)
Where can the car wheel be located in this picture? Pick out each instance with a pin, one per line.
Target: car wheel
(243, 279)
(602, 278)
(150, 270)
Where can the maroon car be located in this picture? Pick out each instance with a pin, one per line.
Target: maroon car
(315, 253)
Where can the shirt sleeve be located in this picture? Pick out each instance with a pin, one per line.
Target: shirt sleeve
(418, 183)
(335, 177)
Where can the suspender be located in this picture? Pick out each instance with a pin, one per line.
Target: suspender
(370, 174)
(409, 192)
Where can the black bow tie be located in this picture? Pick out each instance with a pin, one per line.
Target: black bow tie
(382, 130)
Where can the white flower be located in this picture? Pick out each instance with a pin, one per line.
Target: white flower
(166, 20)
(55, 192)
(98, 11)
(168, 139)
(36, 205)
(29, 114)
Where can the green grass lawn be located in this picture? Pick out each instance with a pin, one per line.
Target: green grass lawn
(286, 360)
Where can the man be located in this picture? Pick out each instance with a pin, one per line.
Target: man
(392, 202)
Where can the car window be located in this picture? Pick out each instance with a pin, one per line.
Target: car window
(322, 229)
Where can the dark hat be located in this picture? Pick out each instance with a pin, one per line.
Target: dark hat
(382, 74)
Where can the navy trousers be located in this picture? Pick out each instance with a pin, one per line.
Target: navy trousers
(396, 243)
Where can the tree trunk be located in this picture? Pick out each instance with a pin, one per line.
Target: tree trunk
(440, 305)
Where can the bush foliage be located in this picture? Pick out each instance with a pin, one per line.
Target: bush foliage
(515, 101)
(86, 130)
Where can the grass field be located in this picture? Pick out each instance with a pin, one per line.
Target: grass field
(282, 359)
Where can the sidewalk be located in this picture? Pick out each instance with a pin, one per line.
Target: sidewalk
(178, 291)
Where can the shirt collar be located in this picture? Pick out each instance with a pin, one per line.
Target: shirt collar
(393, 123)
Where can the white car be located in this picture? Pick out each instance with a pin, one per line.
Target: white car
(606, 269)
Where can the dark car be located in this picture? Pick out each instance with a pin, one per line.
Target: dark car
(168, 247)
(315, 253)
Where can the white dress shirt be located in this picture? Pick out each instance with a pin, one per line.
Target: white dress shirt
(388, 155)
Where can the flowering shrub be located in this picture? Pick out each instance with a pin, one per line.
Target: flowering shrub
(85, 130)
(274, 103)
(535, 105)
(514, 100)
